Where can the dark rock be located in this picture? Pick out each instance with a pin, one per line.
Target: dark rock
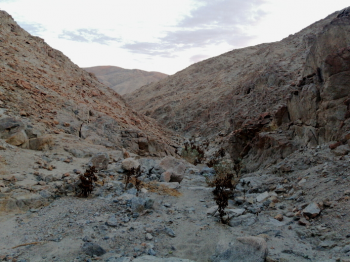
(92, 249)
(100, 161)
(112, 221)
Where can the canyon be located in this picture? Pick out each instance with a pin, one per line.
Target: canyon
(278, 112)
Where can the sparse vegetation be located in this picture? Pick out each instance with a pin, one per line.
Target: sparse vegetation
(224, 183)
(227, 174)
(133, 175)
(86, 184)
(193, 153)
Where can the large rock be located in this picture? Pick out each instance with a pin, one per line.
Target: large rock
(18, 139)
(130, 163)
(41, 143)
(242, 249)
(176, 167)
(100, 161)
(10, 126)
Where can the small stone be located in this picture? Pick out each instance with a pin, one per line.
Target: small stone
(149, 236)
(170, 232)
(312, 210)
(112, 221)
(151, 252)
(92, 249)
(303, 222)
(262, 197)
(279, 217)
(301, 182)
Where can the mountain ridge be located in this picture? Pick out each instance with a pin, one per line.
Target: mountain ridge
(122, 80)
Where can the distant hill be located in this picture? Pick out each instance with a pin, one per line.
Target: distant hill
(122, 80)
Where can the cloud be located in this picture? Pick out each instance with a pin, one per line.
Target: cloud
(32, 28)
(198, 58)
(227, 13)
(152, 49)
(87, 36)
(212, 23)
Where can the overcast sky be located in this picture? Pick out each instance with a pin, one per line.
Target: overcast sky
(162, 35)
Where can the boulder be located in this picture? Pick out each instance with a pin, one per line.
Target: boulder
(175, 167)
(165, 177)
(10, 126)
(171, 163)
(100, 161)
(41, 143)
(242, 249)
(18, 139)
(33, 133)
(130, 163)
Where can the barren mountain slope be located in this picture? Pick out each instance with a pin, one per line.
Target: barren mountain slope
(266, 101)
(122, 80)
(56, 96)
(221, 92)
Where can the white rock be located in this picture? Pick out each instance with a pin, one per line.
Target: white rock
(149, 236)
(235, 212)
(262, 196)
(211, 210)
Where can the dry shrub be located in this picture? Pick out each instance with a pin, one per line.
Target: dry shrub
(195, 154)
(86, 184)
(133, 175)
(224, 182)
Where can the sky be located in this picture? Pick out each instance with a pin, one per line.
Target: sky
(162, 35)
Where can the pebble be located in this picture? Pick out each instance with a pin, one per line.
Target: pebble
(169, 232)
(279, 217)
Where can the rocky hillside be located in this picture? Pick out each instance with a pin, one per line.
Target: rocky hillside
(266, 100)
(281, 108)
(43, 93)
(124, 81)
